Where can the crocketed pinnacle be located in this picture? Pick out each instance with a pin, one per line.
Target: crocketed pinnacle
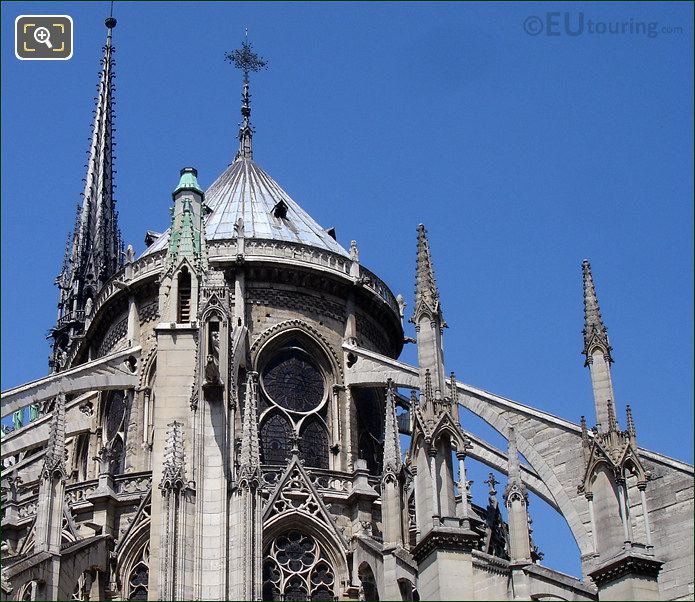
(595, 332)
(392, 444)
(54, 460)
(250, 458)
(427, 300)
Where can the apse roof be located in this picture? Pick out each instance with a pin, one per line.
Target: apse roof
(245, 191)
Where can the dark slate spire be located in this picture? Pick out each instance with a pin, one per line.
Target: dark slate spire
(93, 251)
(247, 60)
(595, 332)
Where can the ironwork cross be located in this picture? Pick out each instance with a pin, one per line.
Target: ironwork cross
(246, 59)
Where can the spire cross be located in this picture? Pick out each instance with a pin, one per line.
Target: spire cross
(246, 59)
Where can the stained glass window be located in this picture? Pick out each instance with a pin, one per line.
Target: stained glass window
(276, 437)
(138, 580)
(313, 445)
(293, 380)
(115, 411)
(296, 568)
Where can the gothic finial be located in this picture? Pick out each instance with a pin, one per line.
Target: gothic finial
(247, 60)
(612, 421)
(429, 397)
(392, 444)
(453, 389)
(595, 332)
(249, 458)
(426, 292)
(585, 432)
(630, 422)
(54, 460)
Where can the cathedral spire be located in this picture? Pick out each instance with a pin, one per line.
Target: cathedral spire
(595, 332)
(597, 351)
(426, 291)
(429, 323)
(247, 60)
(93, 253)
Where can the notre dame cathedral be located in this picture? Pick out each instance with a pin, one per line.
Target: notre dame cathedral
(226, 418)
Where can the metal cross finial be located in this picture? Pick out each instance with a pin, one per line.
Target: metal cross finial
(246, 59)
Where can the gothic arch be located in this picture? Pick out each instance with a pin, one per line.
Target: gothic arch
(275, 436)
(146, 367)
(313, 442)
(484, 406)
(284, 329)
(365, 575)
(132, 551)
(309, 525)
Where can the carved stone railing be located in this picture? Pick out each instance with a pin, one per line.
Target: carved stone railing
(140, 269)
(136, 482)
(322, 479)
(77, 492)
(28, 507)
(379, 288)
(70, 318)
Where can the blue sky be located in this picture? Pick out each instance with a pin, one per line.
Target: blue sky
(522, 154)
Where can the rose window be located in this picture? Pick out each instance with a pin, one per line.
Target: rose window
(293, 381)
(294, 390)
(297, 568)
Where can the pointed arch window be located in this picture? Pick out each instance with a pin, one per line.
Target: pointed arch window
(276, 439)
(296, 567)
(139, 576)
(313, 444)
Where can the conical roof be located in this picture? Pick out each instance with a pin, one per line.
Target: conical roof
(245, 191)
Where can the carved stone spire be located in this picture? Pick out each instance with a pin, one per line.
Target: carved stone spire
(250, 457)
(630, 424)
(54, 460)
(429, 323)
(427, 299)
(597, 350)
(93, 252)
(247, 60)
(595, 332)
(392, 443)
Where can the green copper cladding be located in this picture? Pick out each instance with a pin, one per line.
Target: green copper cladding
(188, 181)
